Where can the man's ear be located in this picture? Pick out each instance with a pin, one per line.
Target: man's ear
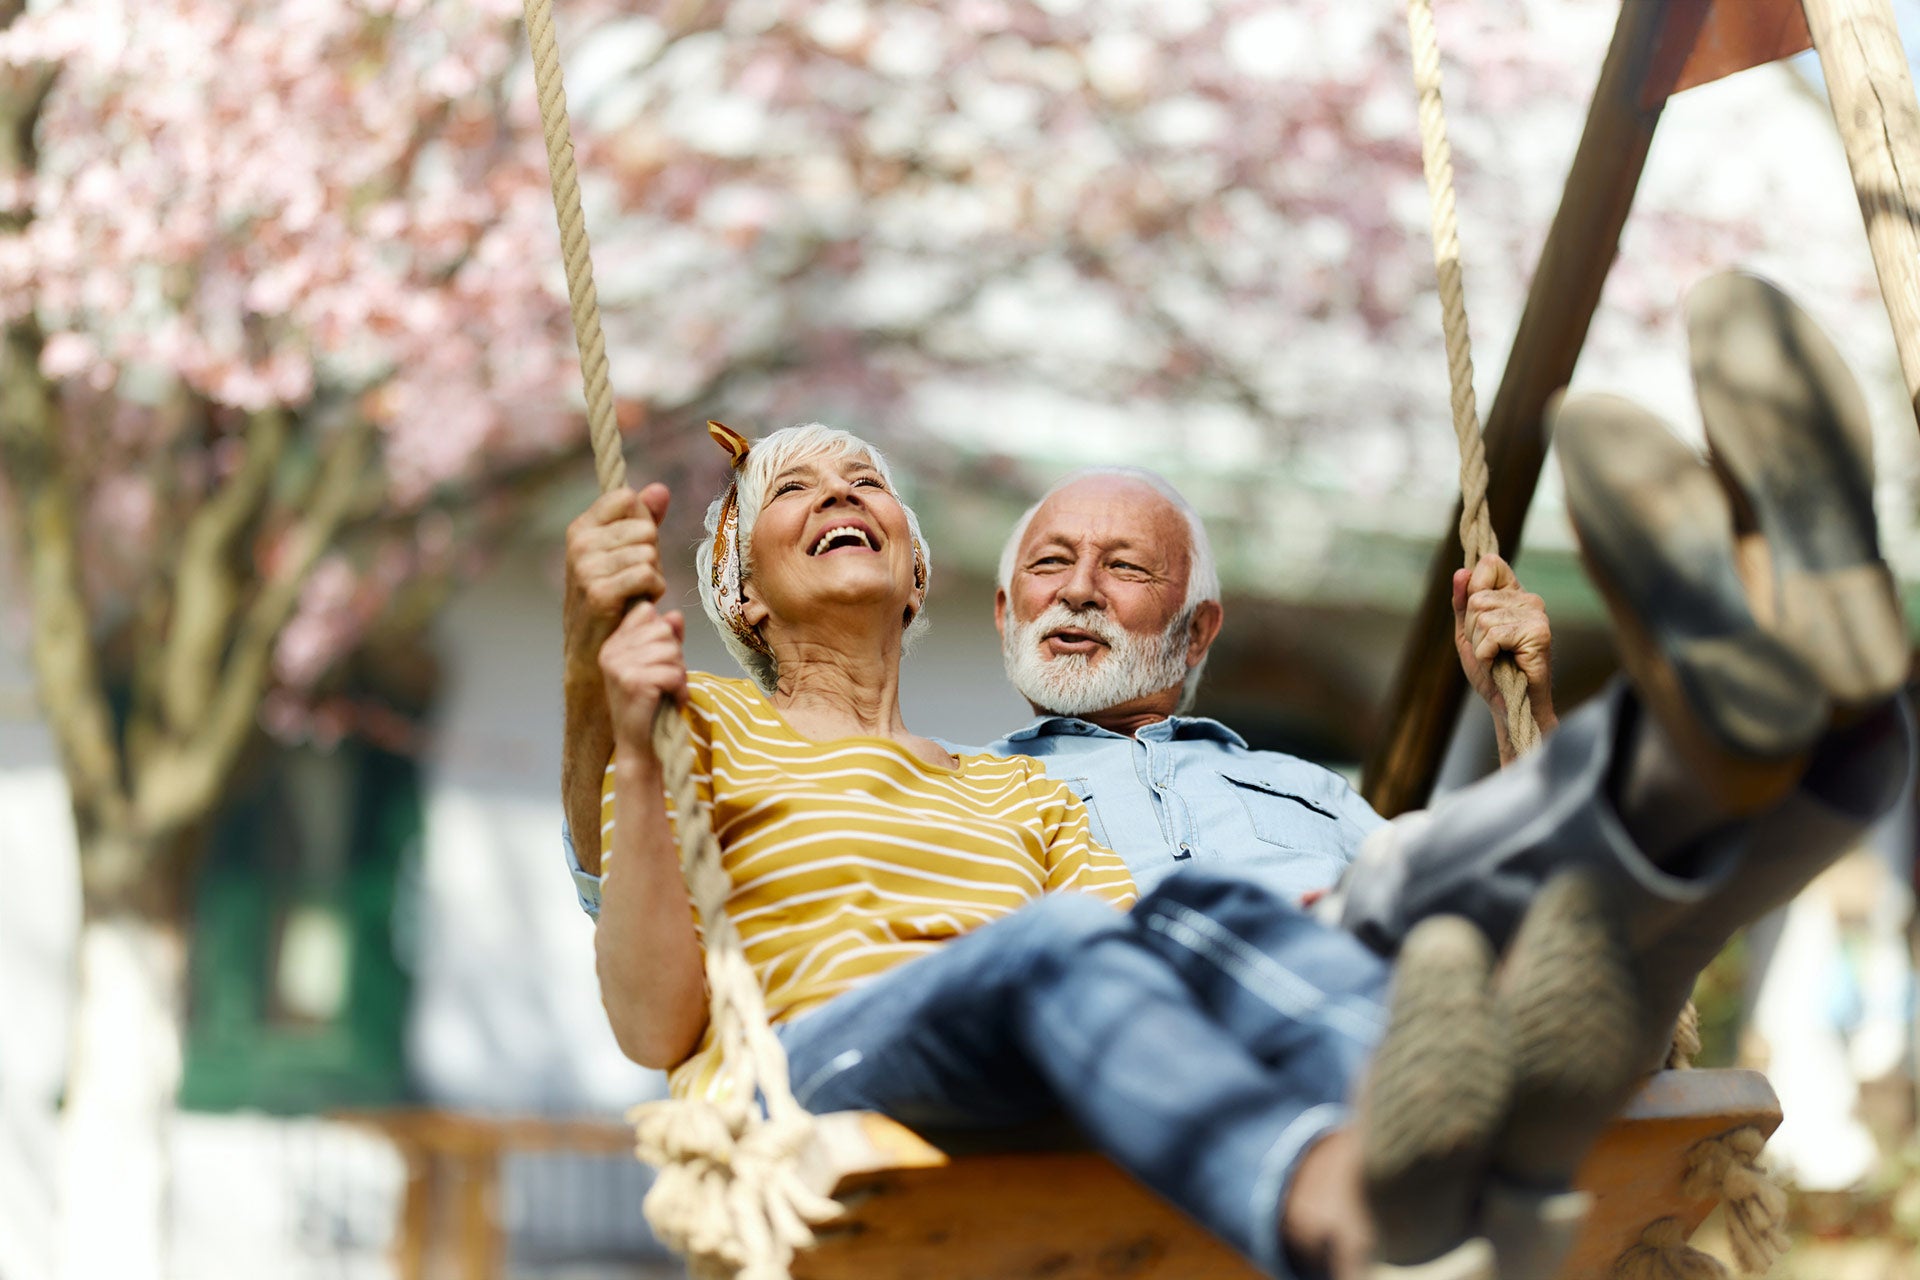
(1000, 612)
(1203, 631)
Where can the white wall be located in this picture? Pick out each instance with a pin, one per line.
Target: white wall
(39, 918)
(506, 1010)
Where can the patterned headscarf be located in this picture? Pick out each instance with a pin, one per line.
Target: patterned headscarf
(727, 592)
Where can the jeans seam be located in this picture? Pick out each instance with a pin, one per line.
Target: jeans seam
(1262, 975)
(838, 1065)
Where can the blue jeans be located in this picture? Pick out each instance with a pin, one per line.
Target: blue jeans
(1204, 1041)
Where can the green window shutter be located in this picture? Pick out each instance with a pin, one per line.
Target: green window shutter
(298, 982)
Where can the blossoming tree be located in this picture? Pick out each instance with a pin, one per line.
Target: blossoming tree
(261, 274)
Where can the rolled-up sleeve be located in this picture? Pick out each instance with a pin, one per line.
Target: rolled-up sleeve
(586, 885)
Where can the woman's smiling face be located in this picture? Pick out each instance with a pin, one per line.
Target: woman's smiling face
(831, 534)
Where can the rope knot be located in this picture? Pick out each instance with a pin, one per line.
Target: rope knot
(1663, 1254)
(1728, 1167)
(728, 1194)
(683, 1130)
(779, 1139)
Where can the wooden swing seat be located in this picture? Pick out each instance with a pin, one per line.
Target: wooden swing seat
(1025, 1205)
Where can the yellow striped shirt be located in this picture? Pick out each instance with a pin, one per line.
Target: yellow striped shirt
(849, 857)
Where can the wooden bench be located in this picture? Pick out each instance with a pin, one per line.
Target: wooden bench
(449, 1216)
(988, 1209)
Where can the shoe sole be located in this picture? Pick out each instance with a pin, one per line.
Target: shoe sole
(1790, 432)
(1435, 1096)
(1532, 1231)
(1656, 535)
(1469, 1260)
(1571, 1006)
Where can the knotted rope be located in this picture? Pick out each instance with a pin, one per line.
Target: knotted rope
(1663, 1254)
(1477, 538)
(1755, 1205)
(1727, 1168)
(728, 1196)
(1686, 1039)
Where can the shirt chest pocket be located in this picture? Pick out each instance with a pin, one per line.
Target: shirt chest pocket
(1083, 787)
(1283, 817)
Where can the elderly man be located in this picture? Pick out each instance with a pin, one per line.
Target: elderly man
(1107, 608)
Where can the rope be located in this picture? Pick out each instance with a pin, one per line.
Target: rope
(729, 1196)
(1724, 1167)
(1729, 1167)
(1686, 1039)
(1477, 538)
(609, 462)
(1663, 1254)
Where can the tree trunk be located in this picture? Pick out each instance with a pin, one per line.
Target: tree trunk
(122, 1080)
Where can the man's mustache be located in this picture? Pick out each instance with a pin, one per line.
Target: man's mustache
(1060, 617)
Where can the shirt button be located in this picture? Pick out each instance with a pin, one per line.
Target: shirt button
(1186, 851)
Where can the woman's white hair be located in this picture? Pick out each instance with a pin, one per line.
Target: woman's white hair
(1203, 574)
(768, 457)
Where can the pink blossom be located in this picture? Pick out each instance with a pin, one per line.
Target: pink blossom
(805, 208)
(67, 354)
(329, 620)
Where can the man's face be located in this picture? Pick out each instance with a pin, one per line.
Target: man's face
(1094, 614)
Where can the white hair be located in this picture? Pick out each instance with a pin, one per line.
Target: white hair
(1203, 575)
(768, 457)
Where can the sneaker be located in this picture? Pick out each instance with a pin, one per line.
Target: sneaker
(1790, 436)
(1656, 534)
(1435, 1097)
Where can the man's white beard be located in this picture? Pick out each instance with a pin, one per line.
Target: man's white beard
(1070, 684)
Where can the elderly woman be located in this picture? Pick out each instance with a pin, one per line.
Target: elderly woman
(938, 937)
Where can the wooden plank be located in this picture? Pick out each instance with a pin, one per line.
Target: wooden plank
(451, 1133)
(482, 1243)
(450, 1214)
(1735, 35)
(917, 1212)
(415, 1230)
(1634, 1172)
(1871, 92)
(1580, 249)
(1058, 1215)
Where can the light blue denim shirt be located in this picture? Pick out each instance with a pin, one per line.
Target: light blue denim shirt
(1186, 789)
(586, 885)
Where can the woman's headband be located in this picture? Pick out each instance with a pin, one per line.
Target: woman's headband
(728, 596)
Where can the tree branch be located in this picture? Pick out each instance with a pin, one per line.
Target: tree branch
(65, 664)
(207, 589)
(23, 92)
(185, 778)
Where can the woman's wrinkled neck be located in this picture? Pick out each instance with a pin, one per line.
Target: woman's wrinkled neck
(838, 684)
